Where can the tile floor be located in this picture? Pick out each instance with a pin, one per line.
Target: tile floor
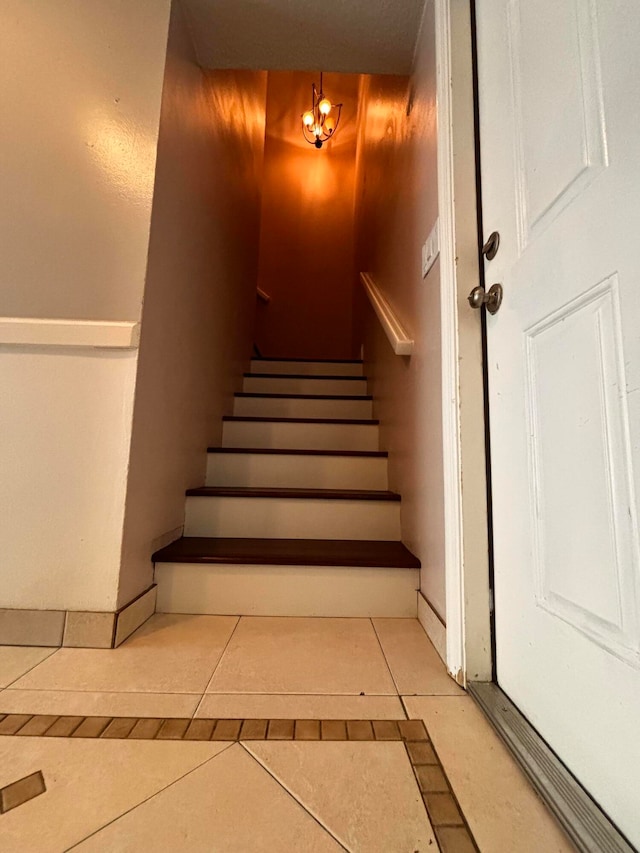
(254, 795)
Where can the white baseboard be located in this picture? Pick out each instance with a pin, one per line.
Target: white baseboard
(435, 629)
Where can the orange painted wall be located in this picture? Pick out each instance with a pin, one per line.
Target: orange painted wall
(397, 204)
(307, 228)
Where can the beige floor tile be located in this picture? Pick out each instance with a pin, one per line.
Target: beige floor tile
(89, 783)
(303, 655)
(168, 654)
(16, 660)
(502, 809)
(101, 704)
(298, 706)
(365, 794)
(230, 804)
(416, 666)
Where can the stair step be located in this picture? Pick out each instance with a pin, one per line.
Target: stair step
(287, 577)
(305, 384)
(321, 469)
(288, 552)
(302, 406)
(307, 366)
(298, 494)
(301, 433)
(292, 514)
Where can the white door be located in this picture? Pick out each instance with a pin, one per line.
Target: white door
(559, 85)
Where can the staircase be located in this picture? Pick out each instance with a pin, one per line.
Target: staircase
(295, 518)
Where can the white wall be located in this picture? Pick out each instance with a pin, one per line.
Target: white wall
(81, 89)
(199, 304)
(397, 205)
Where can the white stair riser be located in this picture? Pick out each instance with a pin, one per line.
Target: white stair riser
(286, 590)
(292, 518)
(300, 436)
(296, 472)
(310, 368)
(282, 407)
(275, 385)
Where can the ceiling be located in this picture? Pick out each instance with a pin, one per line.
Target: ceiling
(356, 36)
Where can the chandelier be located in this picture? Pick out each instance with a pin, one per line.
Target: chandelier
(321, 121)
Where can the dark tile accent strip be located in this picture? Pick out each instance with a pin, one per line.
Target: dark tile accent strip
(64, 727)
(12, 723)
(21, 791)
(173, 729)
(451, 829)
(280, 730)
(254, 729)
(37, 725)
(412, 732)
(307, 730)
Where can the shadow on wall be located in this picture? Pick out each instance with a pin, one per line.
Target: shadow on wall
(307, 229)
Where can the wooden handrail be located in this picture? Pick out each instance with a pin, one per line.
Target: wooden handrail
(402, 344)
(262, 295)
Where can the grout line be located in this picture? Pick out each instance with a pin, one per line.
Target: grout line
(31, 668)
(292, 795)
(150, 797)
(217, 664)
(395, 683)
(404, 707)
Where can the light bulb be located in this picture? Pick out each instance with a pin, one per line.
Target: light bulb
(308, 119)
(329, 124)
(325, 106)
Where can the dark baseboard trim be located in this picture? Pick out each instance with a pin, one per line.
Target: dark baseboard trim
(581, 818)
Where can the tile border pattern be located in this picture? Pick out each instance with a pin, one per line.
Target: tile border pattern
(445, 814)
(83, 629)
(21, 791)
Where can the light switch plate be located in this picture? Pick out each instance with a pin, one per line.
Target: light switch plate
(431, 249)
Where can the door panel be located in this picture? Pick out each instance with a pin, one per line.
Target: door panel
(584, 561)
(559, 91)
(559, 122)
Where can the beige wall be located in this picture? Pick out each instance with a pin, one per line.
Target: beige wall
(307, 231)
(397, 205)
(80, 89)
(199, 305)
(80, 107)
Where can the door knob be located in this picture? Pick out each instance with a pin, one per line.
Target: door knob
(491, 300)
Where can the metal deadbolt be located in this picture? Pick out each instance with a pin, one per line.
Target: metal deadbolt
(490, 248)
(492, 300)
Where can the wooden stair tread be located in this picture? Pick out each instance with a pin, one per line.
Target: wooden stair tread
(288, 552)
(268, 420)
(294, 452)
(275, 396)
(340, 377)
(303, 494)
(310, 360)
